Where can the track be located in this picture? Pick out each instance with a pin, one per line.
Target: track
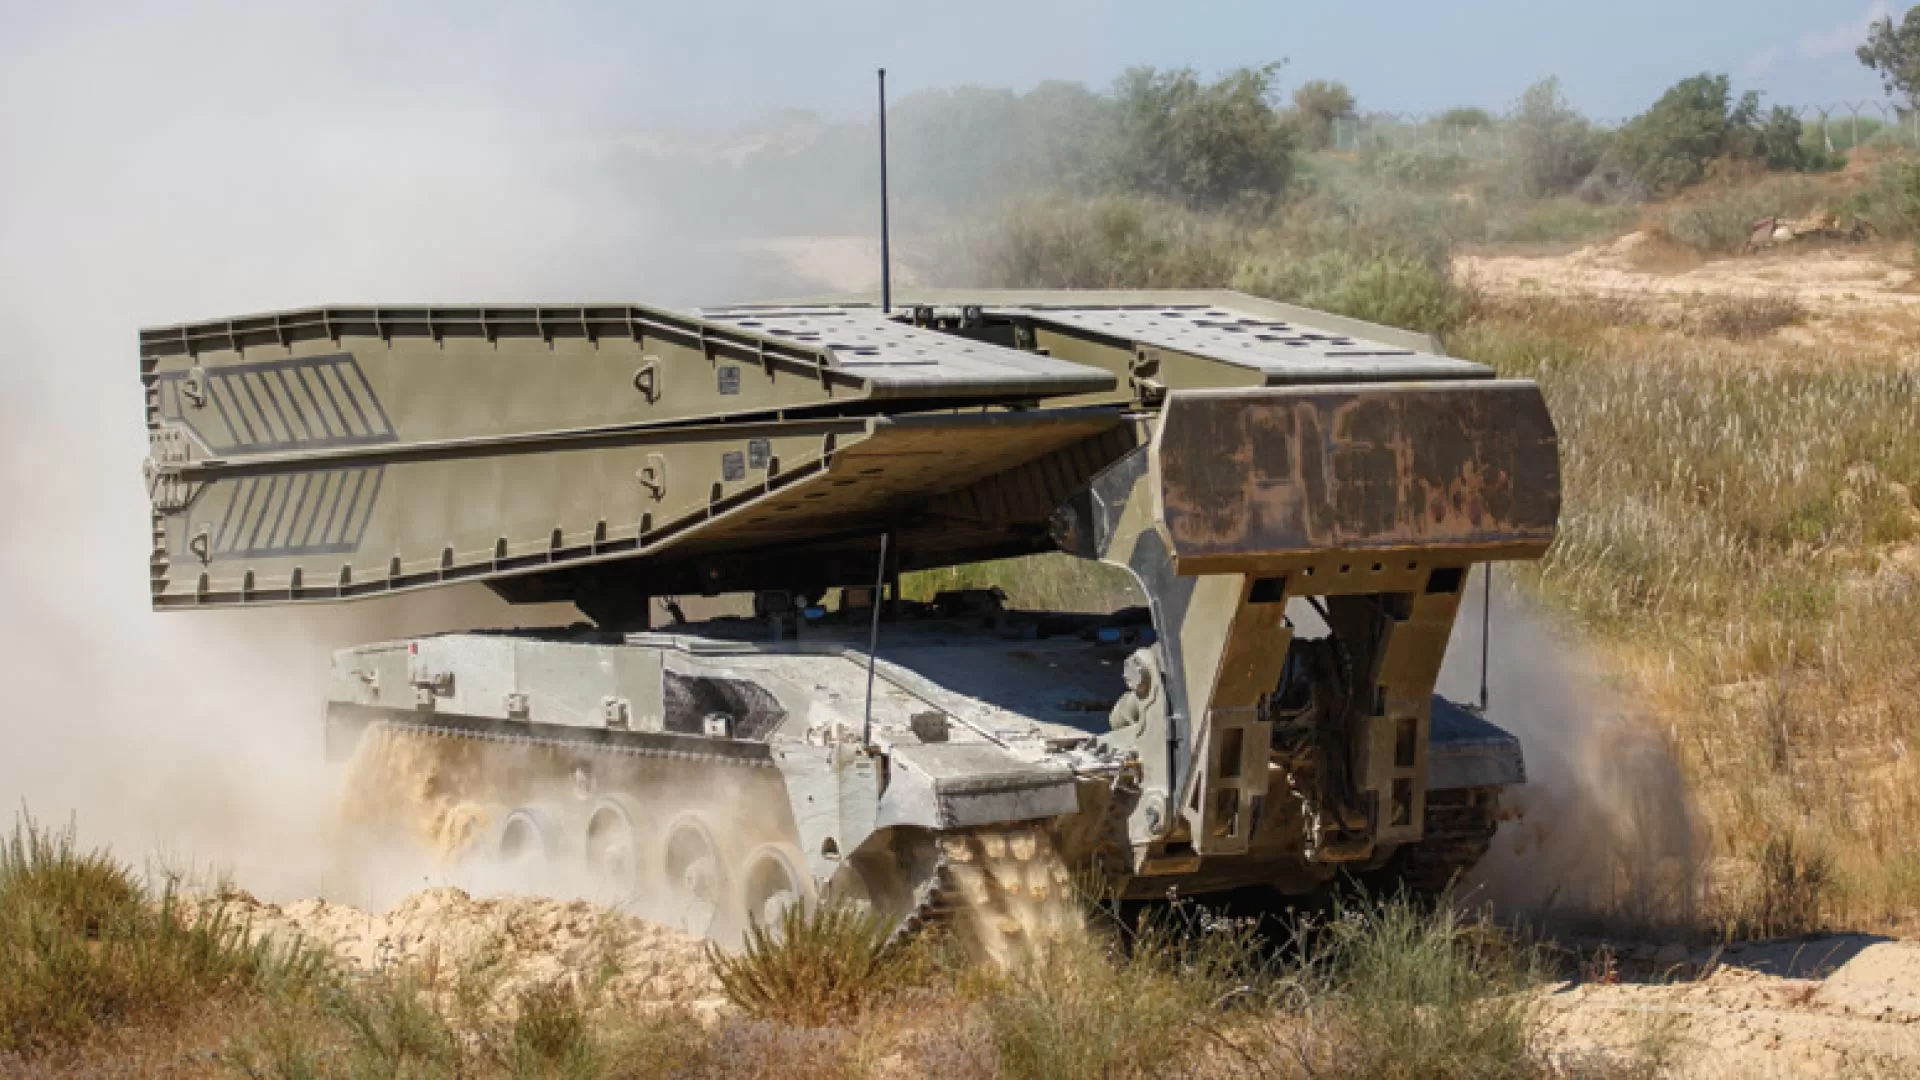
(1002, 890)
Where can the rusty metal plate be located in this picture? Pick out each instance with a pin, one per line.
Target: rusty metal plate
(1472, 465)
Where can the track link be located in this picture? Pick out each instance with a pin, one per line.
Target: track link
(588, 741)
(1459, 831)
(1003, 890)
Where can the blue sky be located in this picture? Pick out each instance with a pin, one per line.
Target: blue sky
(725, 60)
(702, 63)
(1613, 57)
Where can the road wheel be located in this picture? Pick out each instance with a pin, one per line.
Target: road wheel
(614, 842)
(529, 847)
(695, 874)
(773, 881)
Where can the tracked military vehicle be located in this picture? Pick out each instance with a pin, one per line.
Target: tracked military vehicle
(1295, 499)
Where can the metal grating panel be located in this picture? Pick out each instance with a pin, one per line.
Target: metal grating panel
(1285, 352)
(898, 358)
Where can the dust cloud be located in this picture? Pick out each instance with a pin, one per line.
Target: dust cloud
(165, 165)
(1607, 834)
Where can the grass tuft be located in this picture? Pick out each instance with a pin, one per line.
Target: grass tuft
(84, 947)
(1395, 990)
(1129, 1006)
(1794, 887)
(818, 965)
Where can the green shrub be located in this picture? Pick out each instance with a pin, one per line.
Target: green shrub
(1412, 168)
(1893, 50)
(1669, 146)
(1889, 199)
(1200, 144)
(1696, 123)
(1317, 107)
(1841, 134)
(1467, 117)
(1107, 243)
(1394, 290)
(1368, 218)
(1555, 148)
(1054, 581)
(1907, 196)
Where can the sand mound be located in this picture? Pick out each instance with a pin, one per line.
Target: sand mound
(1827, 280)
(1839, 1007)
(518, 941)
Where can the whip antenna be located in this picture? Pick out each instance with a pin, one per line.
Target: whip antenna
(886, 261)
(873, 640)
(1486, 624)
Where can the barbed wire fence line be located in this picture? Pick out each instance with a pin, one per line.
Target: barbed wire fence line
(1838, 127)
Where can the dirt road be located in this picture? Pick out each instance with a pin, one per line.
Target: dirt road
(1827, 280)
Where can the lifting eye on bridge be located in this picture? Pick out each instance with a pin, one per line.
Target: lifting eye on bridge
(647, 380)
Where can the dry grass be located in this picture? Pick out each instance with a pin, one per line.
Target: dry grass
(86, 948)
(1163, 996)
(1388, 989)
(828, 963)
(1394, 991)
(1740, 530)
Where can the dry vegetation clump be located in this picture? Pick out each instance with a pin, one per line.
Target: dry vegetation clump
(1384, 989)
(1168, 991)
(1744, 318)
(1743, 533)
(85, 948)
(1719, 220)
(1393, 991)
(822, 964)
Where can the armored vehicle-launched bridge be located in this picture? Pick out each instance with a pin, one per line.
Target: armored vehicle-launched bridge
(1297, 498)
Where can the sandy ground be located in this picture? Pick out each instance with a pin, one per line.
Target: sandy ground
(1829, 279)
(1844, 1006)
(517, 941)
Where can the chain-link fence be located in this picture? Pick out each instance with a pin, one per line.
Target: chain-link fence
(1836, 128)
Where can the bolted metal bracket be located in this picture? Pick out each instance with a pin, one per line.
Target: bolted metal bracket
(929, 727)
(427, 684)
(616, 713)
